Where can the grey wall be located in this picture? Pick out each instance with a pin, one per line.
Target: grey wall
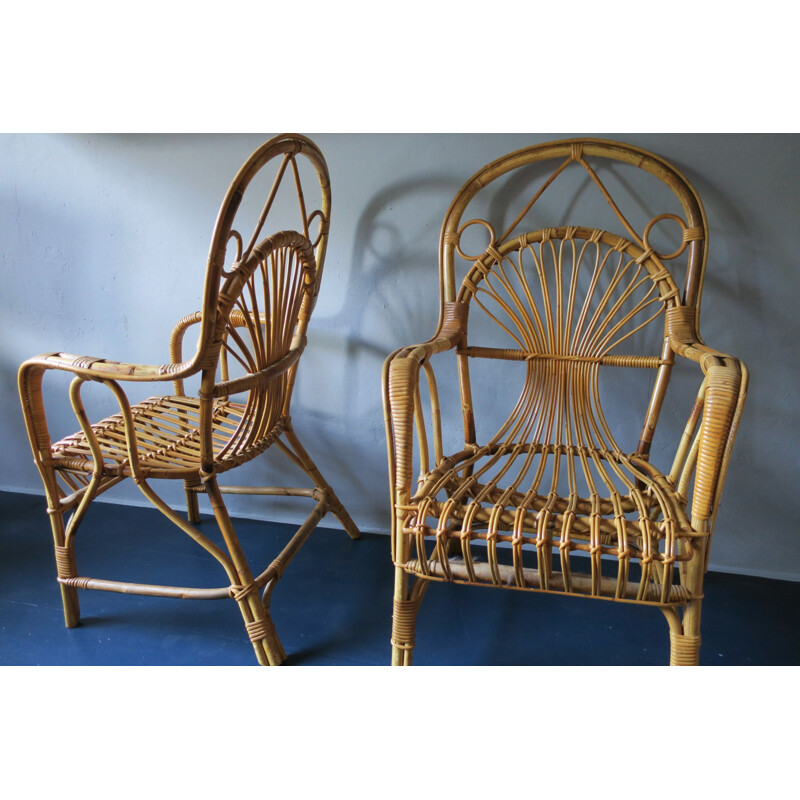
(103, 241)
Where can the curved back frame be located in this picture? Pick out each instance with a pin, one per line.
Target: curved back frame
(582, 152)
(259, 294)
(287, 148)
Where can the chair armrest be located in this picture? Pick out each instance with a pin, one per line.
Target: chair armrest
(32, 371)
(685, 340)
(400, 392)
(176, 344)
(722, 399)
(91, 368)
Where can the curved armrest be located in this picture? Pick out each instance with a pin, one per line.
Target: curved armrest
(722, 399)
(685, 340)
(92, 368)
(401, 391)
(32, 372)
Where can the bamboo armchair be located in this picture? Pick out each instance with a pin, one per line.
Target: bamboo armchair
(258, 298)
(547, 500)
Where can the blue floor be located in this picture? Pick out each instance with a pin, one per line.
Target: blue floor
(333, 606)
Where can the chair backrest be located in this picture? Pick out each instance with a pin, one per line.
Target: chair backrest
(261, 287)
(569, 296)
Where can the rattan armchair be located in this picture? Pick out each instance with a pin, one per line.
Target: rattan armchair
(548, 315)
(259, 293)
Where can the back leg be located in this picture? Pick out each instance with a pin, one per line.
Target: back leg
(298, 454)
(257, 620)
(192, 504)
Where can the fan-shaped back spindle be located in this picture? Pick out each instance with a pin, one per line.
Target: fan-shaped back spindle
(569, 298)
(259, 295)
(263, 312)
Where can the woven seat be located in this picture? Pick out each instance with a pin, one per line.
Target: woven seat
(540, 495)
(527, 530)
(259, 295)
(168, 440)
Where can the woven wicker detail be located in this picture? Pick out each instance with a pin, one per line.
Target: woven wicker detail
(672, 293)
(77, 583)
(65, 562)
(577, 583)
(693, 234)
(719, 408)
(633, 361)
(168, 438)
(647, 254)
(455, 313)
(171, 369)
(570, 232)
(258, 629)
(684, 650)
(566, 357)
(681, 323)
(496, 256)
(239, 593)
(403, 376)
(278, 566)
(85, 362)
(404, 623)
(620, 245)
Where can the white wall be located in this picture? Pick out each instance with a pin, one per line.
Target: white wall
(103, 242)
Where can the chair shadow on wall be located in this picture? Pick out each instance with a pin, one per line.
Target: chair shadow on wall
(390, 299)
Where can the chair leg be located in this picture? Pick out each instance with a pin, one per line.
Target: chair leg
(258, 623)
(404, 617)
(306, 462)
(192, 504)
(685, 637)
(65, 567)
(261, 630)
(685, 646)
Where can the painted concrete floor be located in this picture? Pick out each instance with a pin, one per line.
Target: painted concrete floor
(333, 606)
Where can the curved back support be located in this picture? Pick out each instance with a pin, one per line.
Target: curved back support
(567, 296)
(259, 294)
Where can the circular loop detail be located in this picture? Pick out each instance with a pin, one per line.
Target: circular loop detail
(649, 226)
(466, 225)
(236, 237)
(322, 225)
